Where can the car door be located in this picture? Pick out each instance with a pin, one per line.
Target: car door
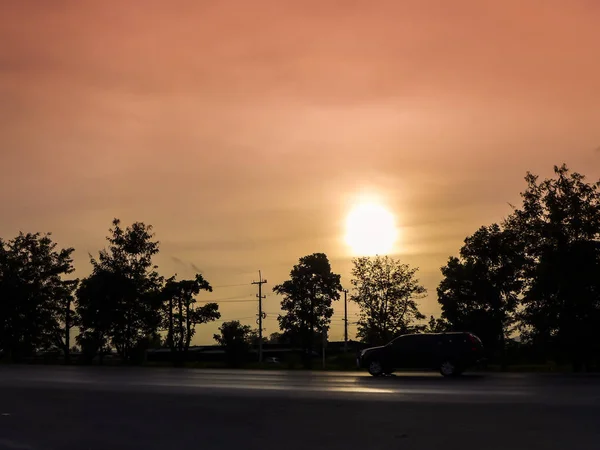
(452, 346)
(404, 351)
(421, 350)
(430, 350)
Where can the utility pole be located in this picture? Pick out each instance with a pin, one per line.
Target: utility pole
(324, 332)
(260, 282)
(312, 319)
(345, 291)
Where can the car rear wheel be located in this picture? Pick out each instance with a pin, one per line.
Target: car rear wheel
(449, 369)
(376, 368)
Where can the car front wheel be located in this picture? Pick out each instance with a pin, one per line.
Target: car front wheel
(376, 368)
(449, 369)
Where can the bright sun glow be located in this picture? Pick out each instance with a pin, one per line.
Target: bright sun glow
(370, 230)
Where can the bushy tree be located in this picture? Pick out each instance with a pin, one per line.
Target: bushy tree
(129, 306)
(182, 315)
(559, 225)
(307, 301)
(276, 338)
(98, 301)
(237, 340)
(480, 289)
(35, 297)
(386, 292)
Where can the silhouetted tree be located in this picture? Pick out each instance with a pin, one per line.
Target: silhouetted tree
(98, 301)
(237, 340)
(480, 289)
(276, 338)
(68, 317)
(386, 292)
(559, 225)
(119, 303)
(154, 341)
(437, 325)
(34, 296)
(307, 301)
(181, 314)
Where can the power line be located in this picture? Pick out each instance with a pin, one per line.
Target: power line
(230, 320)
(236, 297)
(231, 300)
(230, 285)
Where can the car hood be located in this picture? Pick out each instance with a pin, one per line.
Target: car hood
(371, 349)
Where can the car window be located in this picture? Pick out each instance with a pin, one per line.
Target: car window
(408, 343)
(454, 338)
(398, 341)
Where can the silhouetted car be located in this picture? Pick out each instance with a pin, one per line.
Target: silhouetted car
(450, 353)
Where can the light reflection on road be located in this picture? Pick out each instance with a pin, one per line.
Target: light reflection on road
(475, 388)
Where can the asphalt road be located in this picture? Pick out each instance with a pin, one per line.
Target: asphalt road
(50, 408)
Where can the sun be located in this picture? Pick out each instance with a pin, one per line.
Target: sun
(370, 230)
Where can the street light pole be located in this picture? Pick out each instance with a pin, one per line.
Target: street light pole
(345, 320)
(324, 331)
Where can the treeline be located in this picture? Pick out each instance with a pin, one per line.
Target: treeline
(535, 275)
(530, 282)
(124, 304)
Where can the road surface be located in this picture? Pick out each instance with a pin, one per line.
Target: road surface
(70, 408)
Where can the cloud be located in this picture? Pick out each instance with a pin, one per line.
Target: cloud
(186, 265)
(241, 130)
(177, 261)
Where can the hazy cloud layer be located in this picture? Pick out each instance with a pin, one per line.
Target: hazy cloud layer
(242, 130)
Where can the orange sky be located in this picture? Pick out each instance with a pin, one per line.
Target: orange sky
(242, 129)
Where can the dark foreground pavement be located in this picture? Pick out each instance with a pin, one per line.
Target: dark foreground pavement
(108, 409)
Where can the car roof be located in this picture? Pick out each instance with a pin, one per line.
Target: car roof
(449, 333)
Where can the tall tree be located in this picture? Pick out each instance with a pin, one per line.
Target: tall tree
(481, 288)
(34, 294)
(181, 314)
(307, 301)
(237, 340)
(97, 302)
(131, 303)
(559, 222)
(67, 316)
(386, 292)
